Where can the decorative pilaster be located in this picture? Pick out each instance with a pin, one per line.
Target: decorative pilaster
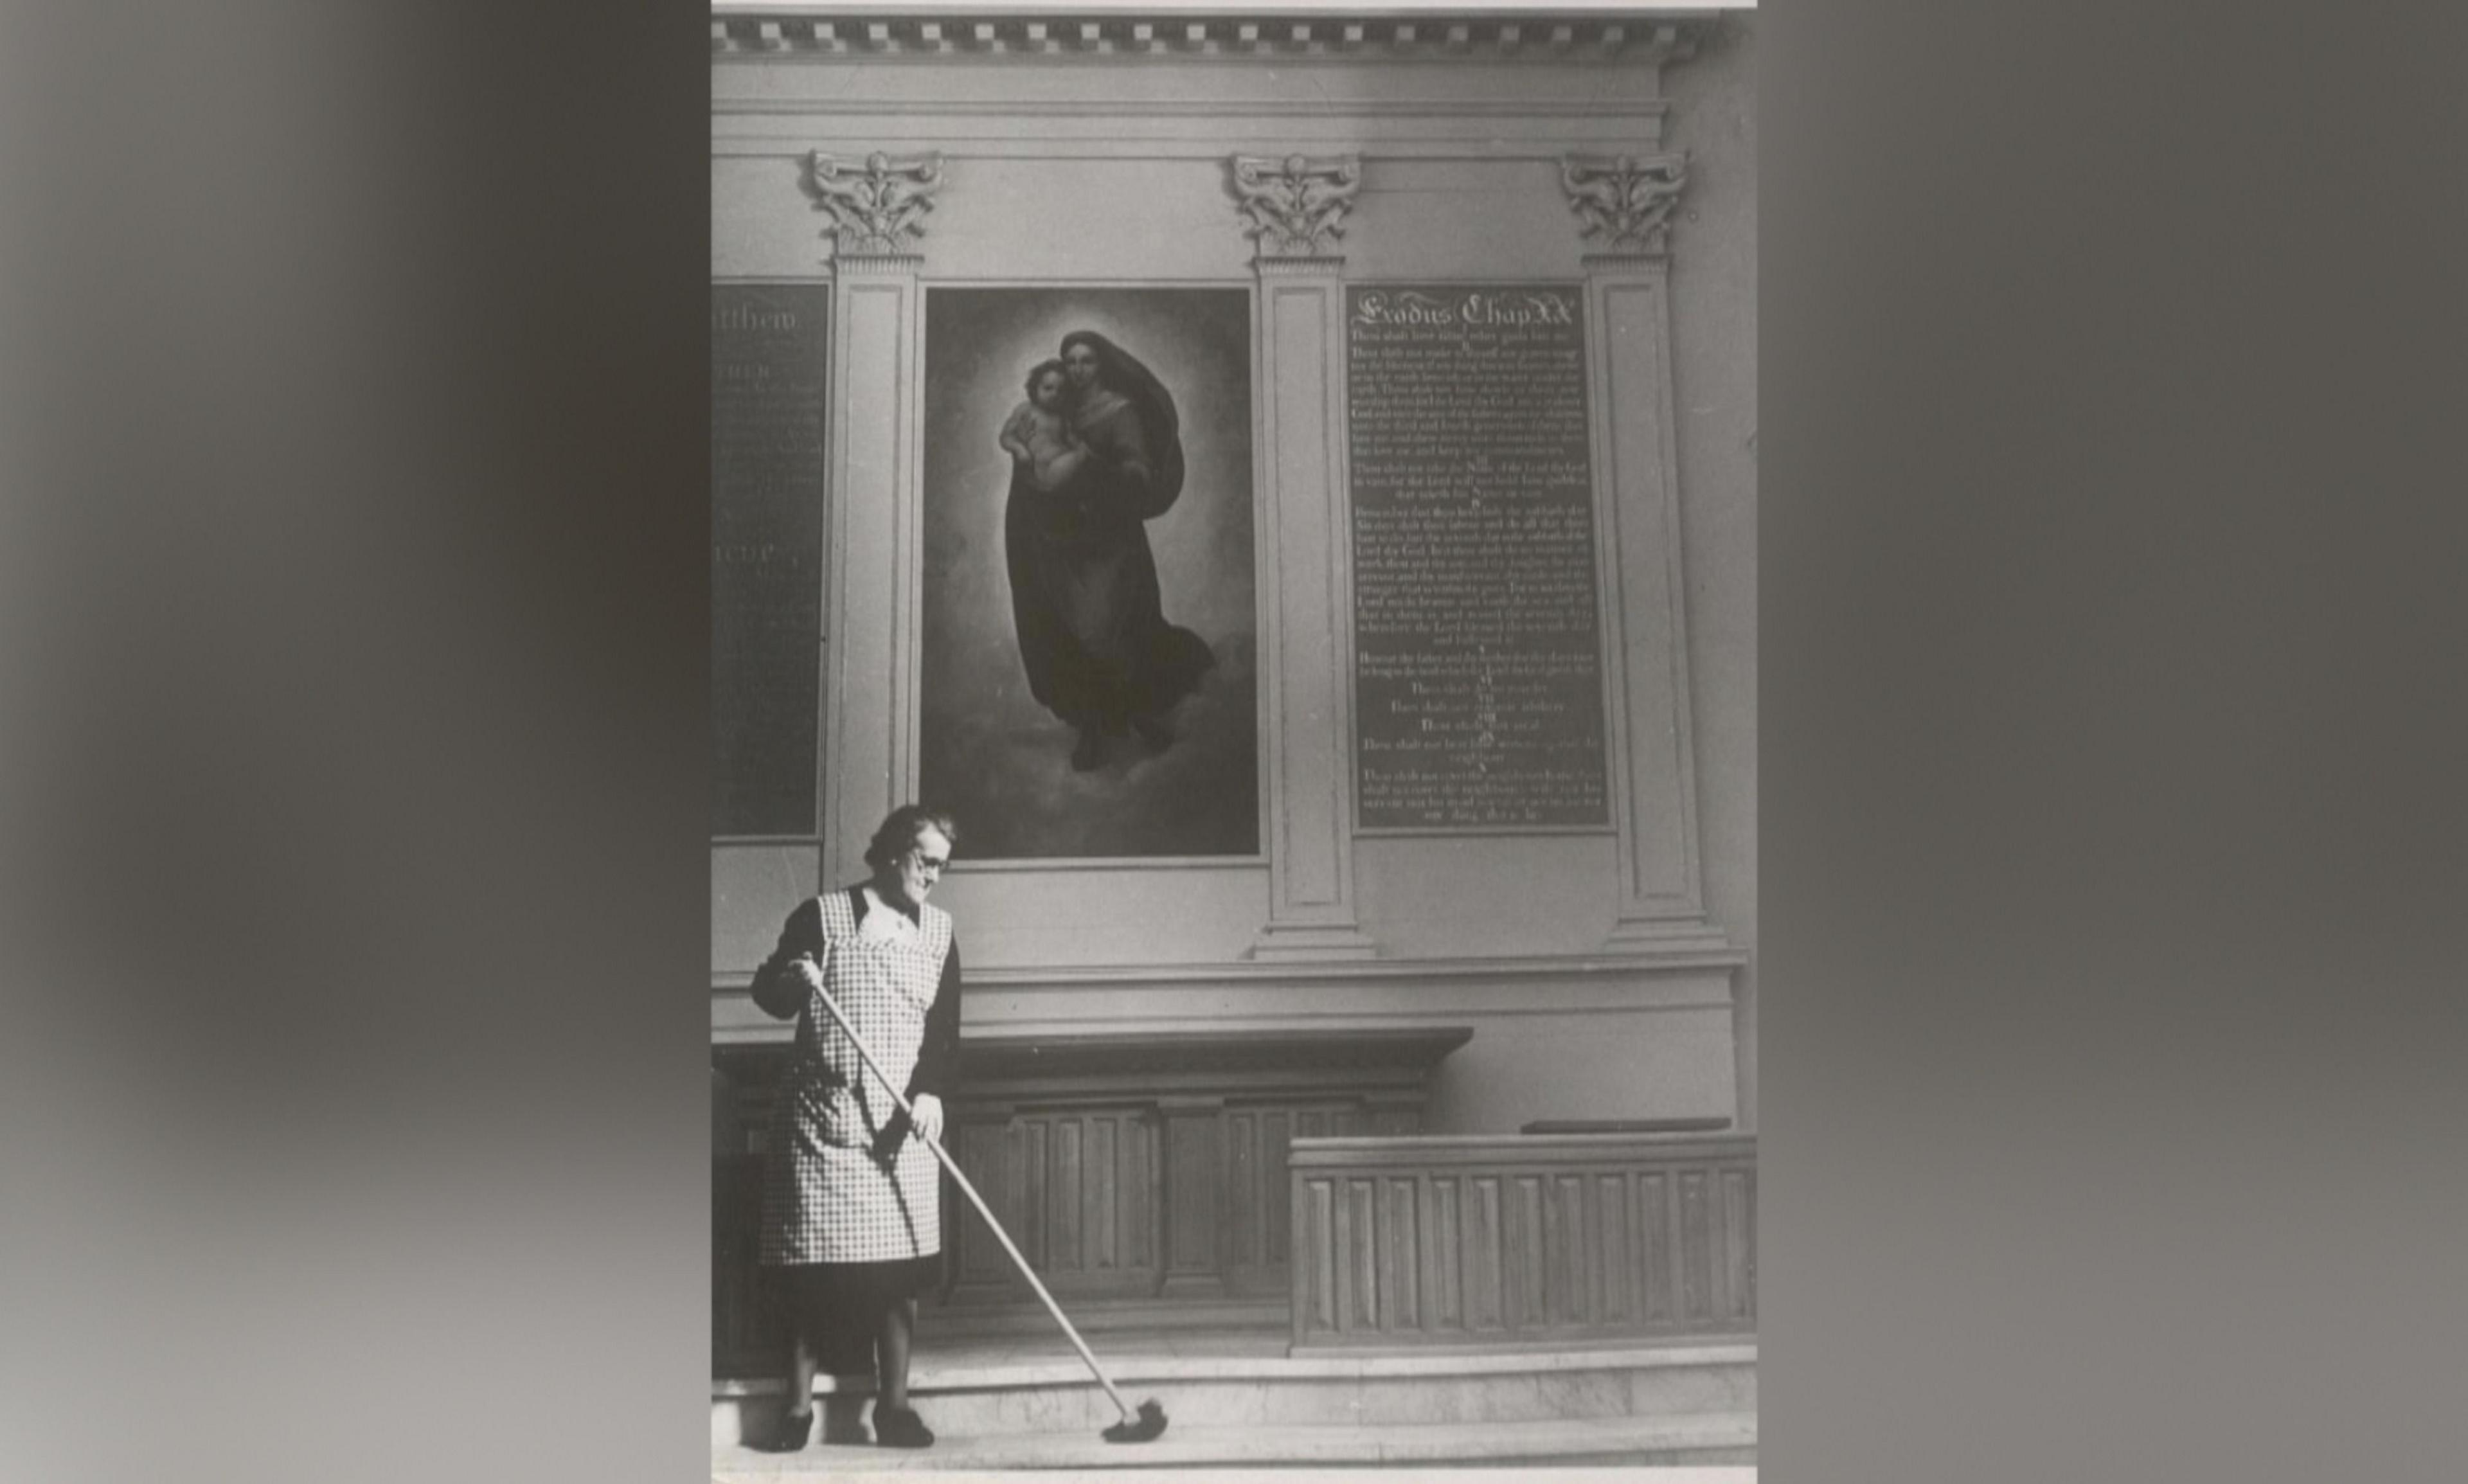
(1628, 202)
(877, 205)
(1295, 207)
(873, 482)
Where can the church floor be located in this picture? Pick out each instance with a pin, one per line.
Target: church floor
(1236, 1399)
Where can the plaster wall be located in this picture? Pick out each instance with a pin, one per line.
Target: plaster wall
(1114, 171)
(1714, 344)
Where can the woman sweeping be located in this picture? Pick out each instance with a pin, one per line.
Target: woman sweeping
(852, 1211)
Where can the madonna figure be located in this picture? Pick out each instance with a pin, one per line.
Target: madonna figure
(1083, 583)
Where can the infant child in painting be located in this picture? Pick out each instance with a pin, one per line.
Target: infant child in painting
(1039, 433)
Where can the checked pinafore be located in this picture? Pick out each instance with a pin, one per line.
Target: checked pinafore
(834, 1193)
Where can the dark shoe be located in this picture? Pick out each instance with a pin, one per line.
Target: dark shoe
(900, 1426)
(787, 1436)
(1089, 753)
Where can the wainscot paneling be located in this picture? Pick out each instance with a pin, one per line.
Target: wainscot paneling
(1520, 1238)
(1146, 1167)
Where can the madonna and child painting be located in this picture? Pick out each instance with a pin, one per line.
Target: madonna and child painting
(1087, 686)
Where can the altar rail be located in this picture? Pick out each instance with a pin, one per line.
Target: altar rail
(1515, 1239)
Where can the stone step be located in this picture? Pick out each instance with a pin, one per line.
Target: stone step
(1720, 1438)
(1129, 1317)
(1246, 1383)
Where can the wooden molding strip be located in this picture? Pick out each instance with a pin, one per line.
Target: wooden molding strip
(1692, 956)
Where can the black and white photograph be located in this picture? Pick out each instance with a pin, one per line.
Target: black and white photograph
(1234, 863)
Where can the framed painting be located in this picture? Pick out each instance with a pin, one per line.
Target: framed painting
(1088, 673)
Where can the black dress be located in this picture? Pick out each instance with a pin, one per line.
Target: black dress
(1093, 637)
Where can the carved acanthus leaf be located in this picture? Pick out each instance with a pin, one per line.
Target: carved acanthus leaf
(1295, 205)
(876, 204)
(1626, 200)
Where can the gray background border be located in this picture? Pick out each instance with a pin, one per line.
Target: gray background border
(355, 734)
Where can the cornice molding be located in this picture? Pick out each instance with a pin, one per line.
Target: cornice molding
(1438, 105)
(826, 33)
(1709, 953)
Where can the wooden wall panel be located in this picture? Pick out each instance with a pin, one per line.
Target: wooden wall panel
(1186, 1199)
(1032, 1230)
(1484, 1246)
(1739, 1249)
(1192, 1181)
(1245, 1243)
(1366, 1288)
(1399, 1243)
(1062, 1196)
(1658, 1245)
(978, 1260)
(1569, 1274)
(1523, 1259)
(1532, 1240)
(1696, 1242)
(1116, 1190)
(1317, 1239)
(1099, 1219)
(1139, 1187)
(1276, 1128)
(749, 1333)
(1075, 1189)
(1616, 1272)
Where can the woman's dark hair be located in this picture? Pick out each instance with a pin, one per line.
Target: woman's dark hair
(900, 832)
(1037, 373)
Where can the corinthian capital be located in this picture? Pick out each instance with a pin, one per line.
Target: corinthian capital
(876, 204)
(1626, 200)
(1295, 205)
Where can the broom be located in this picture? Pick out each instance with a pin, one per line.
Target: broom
(1138, 1425)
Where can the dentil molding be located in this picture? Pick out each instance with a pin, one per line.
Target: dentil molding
(776, 30)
